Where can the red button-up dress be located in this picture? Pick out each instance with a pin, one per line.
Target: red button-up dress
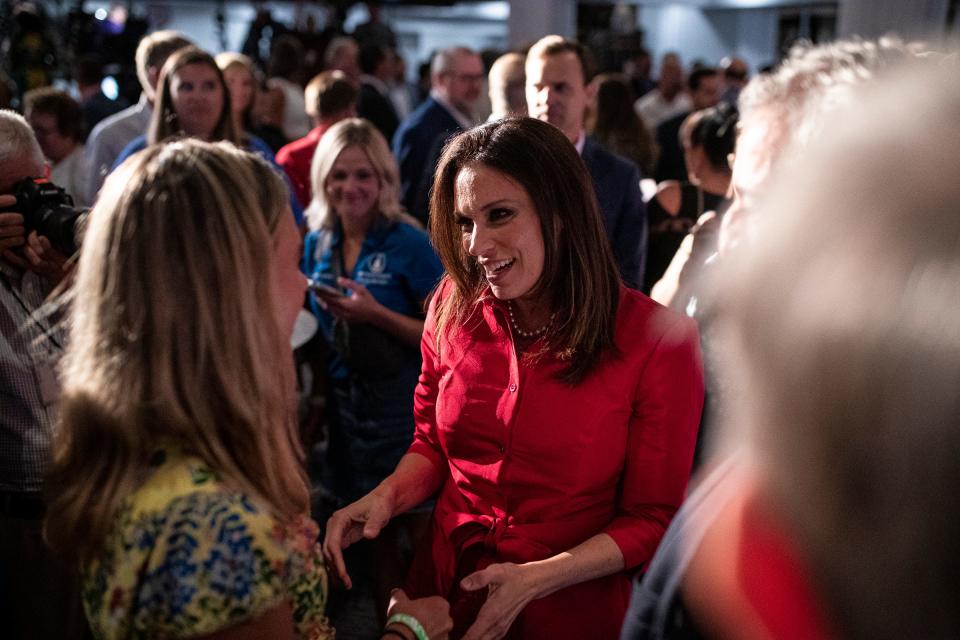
(534, 466)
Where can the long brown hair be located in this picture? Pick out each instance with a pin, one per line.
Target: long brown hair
(170, 343)
(580, 278)
(164, 123)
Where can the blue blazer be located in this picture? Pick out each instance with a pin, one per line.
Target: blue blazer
(417, 145)
(616, 182)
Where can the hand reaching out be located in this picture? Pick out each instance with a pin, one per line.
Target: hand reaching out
(364, 518)
(511, 588)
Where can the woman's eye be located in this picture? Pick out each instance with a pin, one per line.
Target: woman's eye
(499, 215)
(338, 175)
(465, 224)
(364, 175)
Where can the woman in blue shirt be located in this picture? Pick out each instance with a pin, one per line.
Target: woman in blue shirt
(375, 267)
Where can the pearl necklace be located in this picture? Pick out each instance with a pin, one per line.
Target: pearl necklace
(536, 333)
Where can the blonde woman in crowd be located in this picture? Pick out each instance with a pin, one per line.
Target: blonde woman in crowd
(377, 267)
(177, 466)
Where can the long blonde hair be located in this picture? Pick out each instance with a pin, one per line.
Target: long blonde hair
(170, 341)
(355, 132)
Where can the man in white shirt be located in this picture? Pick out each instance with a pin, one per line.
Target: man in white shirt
(668, 99)
(108, 138)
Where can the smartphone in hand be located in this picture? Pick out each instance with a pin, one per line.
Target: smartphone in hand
(325, 290)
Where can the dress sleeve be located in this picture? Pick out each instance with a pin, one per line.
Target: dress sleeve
(660, 443)
(220, 561)
(425, 440)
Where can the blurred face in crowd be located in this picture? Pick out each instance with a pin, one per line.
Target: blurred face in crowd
(346, 58)
(557, 92)
(462, 84)
(353, 186)
(241, 86)
(670, 82)
(54, 144)
(707, 94)
(758, 144)
(197, 97)
(501, 229)
(289, 283)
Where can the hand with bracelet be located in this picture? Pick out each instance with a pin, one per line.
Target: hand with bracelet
(421, 619)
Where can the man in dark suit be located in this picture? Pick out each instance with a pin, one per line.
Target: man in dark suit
(373, 103)
(558, 92)
(456, 77)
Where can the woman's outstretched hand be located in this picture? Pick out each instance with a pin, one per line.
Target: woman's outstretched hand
(364, 518)
(512, 587)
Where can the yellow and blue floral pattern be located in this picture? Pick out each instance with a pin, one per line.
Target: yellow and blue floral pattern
(189, 556)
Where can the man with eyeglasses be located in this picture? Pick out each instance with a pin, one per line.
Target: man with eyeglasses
(456, 77)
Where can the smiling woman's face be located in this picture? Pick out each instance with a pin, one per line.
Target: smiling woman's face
(501, 229)
(197, 96)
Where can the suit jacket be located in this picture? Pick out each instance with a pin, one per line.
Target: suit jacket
(416, 146)
(378, 109)
(616, 182)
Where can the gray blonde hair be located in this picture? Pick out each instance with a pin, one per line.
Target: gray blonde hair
(169, 340)
(17, 140)
(355, 132)
(846, 326)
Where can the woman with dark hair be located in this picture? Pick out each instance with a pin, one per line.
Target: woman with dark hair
(193, 101)
(708, 138)
(617, 126)
(556, 410)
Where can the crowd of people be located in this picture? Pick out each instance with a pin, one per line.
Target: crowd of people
(523, 350)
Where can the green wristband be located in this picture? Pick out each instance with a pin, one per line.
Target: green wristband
(410, 623)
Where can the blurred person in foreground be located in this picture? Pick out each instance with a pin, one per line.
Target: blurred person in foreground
(842, 325)
(556, 411)
(769, 590)
(178, 409)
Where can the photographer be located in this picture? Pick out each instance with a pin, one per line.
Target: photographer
(38, 591)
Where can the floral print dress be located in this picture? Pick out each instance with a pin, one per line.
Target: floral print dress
(189, 556)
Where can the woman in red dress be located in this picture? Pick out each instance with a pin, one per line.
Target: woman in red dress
(557, 409)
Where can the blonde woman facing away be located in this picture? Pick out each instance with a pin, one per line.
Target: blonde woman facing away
(177, 465)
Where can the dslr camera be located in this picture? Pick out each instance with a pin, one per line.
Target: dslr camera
(48, 210)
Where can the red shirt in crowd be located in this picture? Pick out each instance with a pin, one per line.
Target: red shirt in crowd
(295, 158)
(534, 466)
